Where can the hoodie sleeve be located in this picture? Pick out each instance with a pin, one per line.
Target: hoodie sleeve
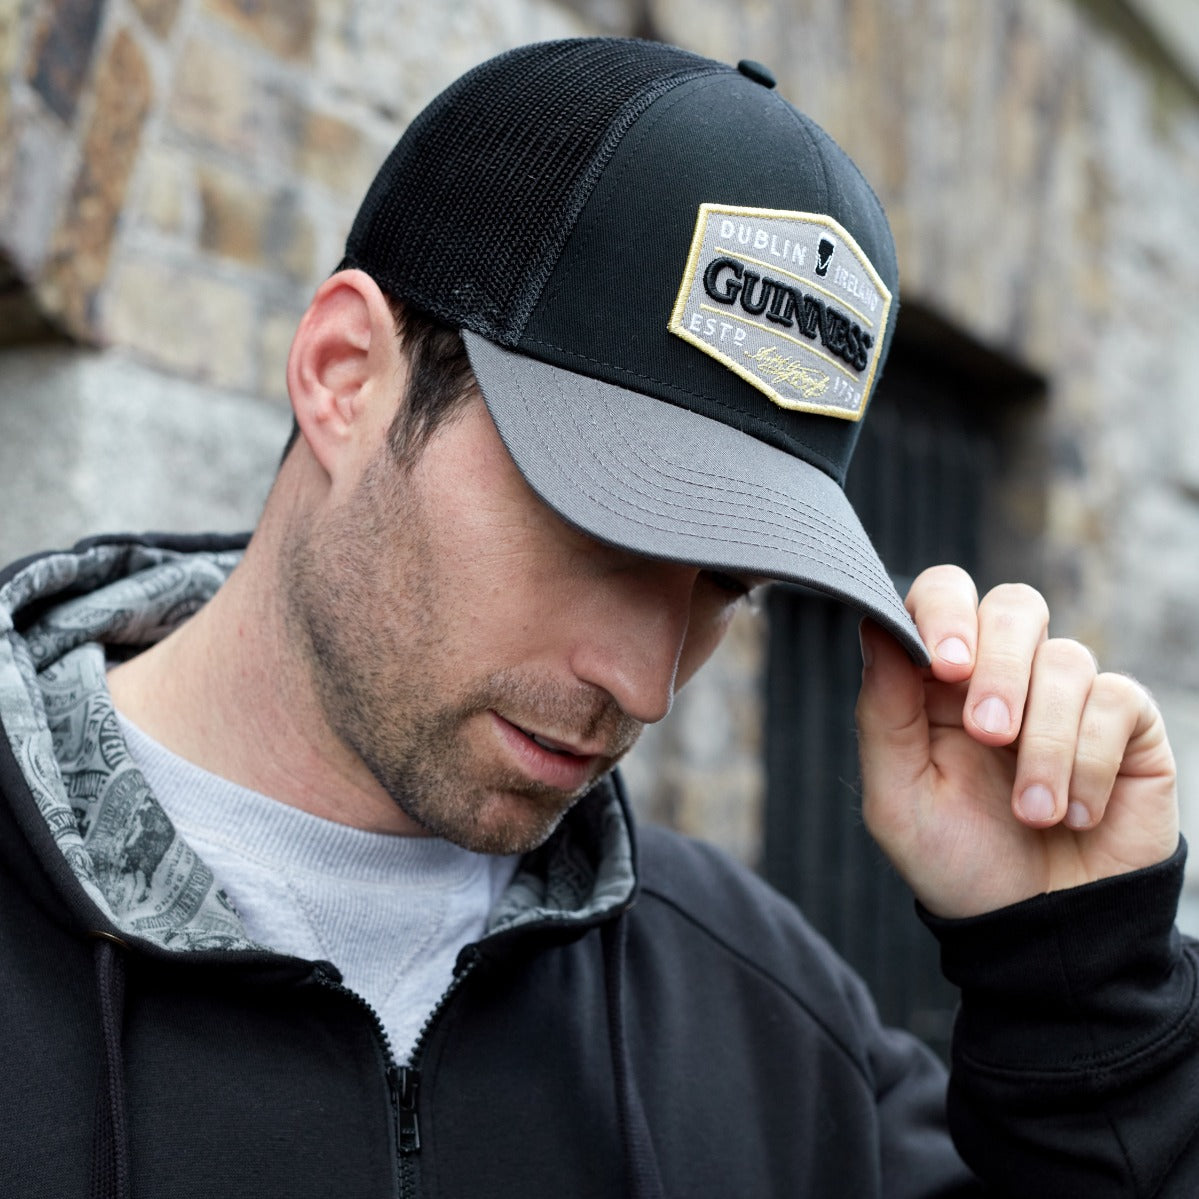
(1075, 1069)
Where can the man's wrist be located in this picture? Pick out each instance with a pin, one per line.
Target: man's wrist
(1094, 970)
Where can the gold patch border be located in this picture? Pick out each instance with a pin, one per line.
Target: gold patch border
(675, 324)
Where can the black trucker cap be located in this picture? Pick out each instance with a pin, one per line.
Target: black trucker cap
(676, 292)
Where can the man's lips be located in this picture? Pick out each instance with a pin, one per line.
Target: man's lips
(549, 760)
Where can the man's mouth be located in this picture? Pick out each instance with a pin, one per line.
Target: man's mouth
(564, 765)
(554, 747)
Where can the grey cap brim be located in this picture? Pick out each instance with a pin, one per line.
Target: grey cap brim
(662, 481)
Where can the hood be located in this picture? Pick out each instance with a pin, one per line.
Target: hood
(61, 615)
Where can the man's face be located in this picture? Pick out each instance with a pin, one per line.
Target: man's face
(484, 659)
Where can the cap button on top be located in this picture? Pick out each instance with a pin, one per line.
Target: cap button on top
(757, 72)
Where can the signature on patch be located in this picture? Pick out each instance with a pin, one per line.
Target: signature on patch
(778, 368)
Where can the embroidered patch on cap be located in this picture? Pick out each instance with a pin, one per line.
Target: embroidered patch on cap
(789, 302)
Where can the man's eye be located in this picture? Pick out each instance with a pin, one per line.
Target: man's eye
(734, 589)
(730, 584)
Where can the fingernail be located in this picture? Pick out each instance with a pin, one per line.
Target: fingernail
(992, 715)
(1077, 816)
(1036, 804)
(955, 650)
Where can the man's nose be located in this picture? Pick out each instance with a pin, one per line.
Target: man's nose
(635, 627)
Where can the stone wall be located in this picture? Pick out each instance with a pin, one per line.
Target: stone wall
(177, 175)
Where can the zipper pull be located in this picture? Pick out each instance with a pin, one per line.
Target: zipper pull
(405, 1084)
(467, 960)
(326, 972)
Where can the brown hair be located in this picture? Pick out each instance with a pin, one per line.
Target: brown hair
(439, 380)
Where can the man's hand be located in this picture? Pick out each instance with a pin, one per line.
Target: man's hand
(1011, 766)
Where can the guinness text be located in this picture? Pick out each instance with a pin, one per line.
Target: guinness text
(729, 282)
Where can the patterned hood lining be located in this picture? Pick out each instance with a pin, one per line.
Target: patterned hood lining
(118, 841)
(60, 722)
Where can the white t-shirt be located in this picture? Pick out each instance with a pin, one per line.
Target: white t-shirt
(390, 912)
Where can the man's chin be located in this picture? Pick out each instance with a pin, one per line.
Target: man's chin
(501, 822)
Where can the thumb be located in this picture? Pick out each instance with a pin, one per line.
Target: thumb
(893, 733)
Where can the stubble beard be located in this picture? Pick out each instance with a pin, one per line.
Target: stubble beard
(380, 692)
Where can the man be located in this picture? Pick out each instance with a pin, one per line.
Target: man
(317, 880)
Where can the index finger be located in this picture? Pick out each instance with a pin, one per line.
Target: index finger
(943, 602)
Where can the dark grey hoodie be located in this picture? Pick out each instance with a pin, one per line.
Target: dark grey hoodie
(639, 1020)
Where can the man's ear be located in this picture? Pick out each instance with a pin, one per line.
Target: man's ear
(342, 371)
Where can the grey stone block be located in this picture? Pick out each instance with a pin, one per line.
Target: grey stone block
(93, 442)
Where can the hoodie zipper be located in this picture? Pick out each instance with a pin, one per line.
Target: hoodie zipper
(403, 1082)
(407, 1080)
(327, 975)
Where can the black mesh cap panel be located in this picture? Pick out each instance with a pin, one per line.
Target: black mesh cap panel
(468, 215)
